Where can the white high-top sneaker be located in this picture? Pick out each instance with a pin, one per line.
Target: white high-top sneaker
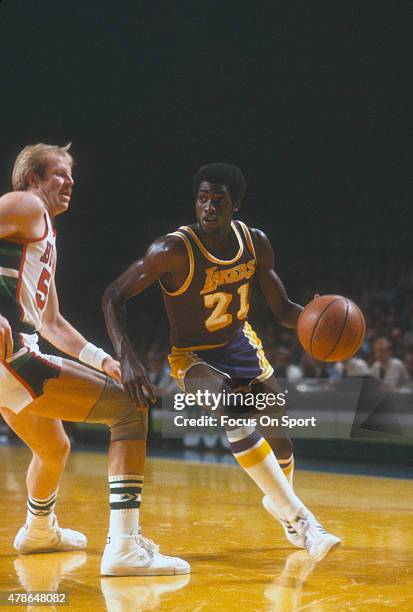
(134, 555)
(291, 534)
(318, 542)
(48, 538)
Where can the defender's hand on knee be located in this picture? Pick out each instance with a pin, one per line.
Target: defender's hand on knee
(136, 381)
(112, 368)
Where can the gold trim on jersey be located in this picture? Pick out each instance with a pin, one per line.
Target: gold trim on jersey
(211, 257)
(248, 238)
(188, 279)
(254, 340)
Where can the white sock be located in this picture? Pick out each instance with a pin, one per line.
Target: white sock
(125, 501)
(40, 511)
(254, 454)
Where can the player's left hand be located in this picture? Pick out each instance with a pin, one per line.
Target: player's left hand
(112, 368)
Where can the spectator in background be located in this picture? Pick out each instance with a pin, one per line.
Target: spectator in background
(396, 337)
(408, 335)
(311, 368)
(283, 368)
(353, 368)
(408, 363)
(389, 370)
(158, 370)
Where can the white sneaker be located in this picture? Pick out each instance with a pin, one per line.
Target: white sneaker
(291, 534)
(34, 539)
(135, 555)
(317, 541)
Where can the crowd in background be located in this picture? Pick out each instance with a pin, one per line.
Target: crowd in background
(386, 353)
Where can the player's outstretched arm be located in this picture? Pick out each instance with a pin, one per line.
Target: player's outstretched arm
(61, 334)
(284, 310)
(56, 330)
(165, 257)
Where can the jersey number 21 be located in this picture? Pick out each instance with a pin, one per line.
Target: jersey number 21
(220, 301)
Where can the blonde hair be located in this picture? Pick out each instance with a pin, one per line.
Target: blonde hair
(34, 158)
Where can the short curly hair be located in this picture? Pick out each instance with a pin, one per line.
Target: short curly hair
(222, 174)
(34, 158)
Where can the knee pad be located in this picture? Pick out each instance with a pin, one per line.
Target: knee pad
(114, 408)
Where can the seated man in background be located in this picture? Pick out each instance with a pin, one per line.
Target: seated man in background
(390, 371)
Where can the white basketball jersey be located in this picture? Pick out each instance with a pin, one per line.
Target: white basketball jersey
(26, 271)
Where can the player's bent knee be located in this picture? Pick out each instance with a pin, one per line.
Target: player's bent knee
(117, 411)
(65, 448)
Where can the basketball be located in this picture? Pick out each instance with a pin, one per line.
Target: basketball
(331, 328)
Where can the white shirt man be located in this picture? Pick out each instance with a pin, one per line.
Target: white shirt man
(352, 368)
(389, 370)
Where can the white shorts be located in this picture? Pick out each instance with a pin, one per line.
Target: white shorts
(23, 376)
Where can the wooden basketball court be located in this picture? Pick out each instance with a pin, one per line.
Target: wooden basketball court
(211, 515)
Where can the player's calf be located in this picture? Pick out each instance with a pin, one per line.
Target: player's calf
(42, 533)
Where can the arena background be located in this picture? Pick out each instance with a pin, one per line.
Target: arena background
(312, 100)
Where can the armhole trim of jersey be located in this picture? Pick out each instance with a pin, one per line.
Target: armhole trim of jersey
(19, 283)
(248, 239)
(209, 255)
(188, 279)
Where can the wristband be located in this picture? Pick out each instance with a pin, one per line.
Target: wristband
(93, 356)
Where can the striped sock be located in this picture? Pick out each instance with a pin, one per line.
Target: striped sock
(40, 511)
(125, 501)
(287, 466)
(254, 454)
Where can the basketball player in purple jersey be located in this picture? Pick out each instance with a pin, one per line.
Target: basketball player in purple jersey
(37, 390)
(205, 271)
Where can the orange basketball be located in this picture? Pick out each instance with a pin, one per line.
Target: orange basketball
(331, 328)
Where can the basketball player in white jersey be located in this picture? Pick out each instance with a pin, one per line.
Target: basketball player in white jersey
(37, 390)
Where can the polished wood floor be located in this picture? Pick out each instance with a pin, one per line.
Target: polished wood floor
(211, 515)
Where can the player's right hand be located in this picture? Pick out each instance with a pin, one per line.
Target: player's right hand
(135, 378)
(6, 339)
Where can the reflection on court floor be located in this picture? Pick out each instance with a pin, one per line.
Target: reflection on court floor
(212, 516)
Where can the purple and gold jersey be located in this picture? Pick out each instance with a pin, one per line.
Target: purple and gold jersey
(211, 306)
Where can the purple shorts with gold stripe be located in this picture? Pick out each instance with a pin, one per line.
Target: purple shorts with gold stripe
(242, 359)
